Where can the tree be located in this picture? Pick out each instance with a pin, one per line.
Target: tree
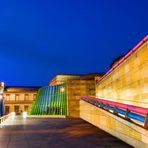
(116, 60)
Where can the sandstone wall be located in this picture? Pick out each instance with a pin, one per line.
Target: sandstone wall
(76, 88)
(128, 83)
(116, 126)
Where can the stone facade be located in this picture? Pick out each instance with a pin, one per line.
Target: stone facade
(19, 99)
(116, 126)
(128, 82)
(76, 86)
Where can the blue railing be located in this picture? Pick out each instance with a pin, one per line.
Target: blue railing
(128, 112)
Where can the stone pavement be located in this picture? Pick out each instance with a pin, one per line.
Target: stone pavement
(54, 133)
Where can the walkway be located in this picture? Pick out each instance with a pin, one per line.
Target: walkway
(54, 133)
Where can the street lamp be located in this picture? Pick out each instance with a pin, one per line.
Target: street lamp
(1, 99)
(2, 84)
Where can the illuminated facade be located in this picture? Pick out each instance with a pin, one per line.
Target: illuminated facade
(76, 86)
(121, 103)
(62, 96)
(19, 99)
(127, 80)
(51, 100)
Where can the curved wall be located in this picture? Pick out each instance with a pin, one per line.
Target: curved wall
(51, 100)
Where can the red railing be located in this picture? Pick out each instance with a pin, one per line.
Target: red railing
(139, 113)
(124, 58)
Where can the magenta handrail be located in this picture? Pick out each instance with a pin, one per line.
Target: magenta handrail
(124, 58)
(132, 108)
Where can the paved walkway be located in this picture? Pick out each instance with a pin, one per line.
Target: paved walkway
(54, 133)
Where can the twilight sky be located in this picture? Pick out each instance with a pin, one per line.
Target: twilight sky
(41, 38)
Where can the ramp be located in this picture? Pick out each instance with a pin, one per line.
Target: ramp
(126, 122)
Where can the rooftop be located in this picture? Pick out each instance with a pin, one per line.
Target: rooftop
(21, 88)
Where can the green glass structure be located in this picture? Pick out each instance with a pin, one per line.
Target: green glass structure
(51, 100)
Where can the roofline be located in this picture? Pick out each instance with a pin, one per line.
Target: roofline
(27, 88)
(68, 75)
(145, 39)
(24, 86)
(80, 75)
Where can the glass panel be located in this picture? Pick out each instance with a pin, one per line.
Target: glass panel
(50, 100)
(17, 97)
(16, 108)
(7, 109)
(26, 97)
(26, 107)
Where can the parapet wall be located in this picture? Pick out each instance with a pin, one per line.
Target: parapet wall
(128, 82)
(116, 126)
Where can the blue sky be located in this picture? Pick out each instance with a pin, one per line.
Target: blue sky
(42, 38)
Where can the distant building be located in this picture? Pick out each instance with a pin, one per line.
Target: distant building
(63, 94)
(76, 85)
(19, 98)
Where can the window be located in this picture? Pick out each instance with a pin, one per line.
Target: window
(7, 109)
(17, 97)
(7, 97)
(26, 97)
(16, 108)
(26, 107)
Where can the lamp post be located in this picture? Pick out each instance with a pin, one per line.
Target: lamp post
(1, 98)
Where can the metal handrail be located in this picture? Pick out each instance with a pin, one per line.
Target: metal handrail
(124, 58)
(3, 118)
(128, 112)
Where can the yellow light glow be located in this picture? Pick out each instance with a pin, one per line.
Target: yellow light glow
(2, 84)
(24, 115)
(13, 115)
(62, 89)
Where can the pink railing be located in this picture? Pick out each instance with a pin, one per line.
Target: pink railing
(139, 113)
(124, 58)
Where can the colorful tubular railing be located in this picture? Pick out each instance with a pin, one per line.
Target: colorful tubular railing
(129, 112)
(51, 100)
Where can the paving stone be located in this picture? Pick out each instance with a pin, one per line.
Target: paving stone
(55, 133)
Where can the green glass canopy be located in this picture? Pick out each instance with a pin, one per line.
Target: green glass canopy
(51, 100)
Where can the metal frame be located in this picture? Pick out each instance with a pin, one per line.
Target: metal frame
(128, 112)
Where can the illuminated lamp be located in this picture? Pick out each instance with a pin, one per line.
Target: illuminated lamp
(62, 89)
(2, 84)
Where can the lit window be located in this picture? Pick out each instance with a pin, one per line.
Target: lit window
(26, 97)
(26, 107)
(16, 108)
(7, 97)
(17, 97)
(7, 109)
